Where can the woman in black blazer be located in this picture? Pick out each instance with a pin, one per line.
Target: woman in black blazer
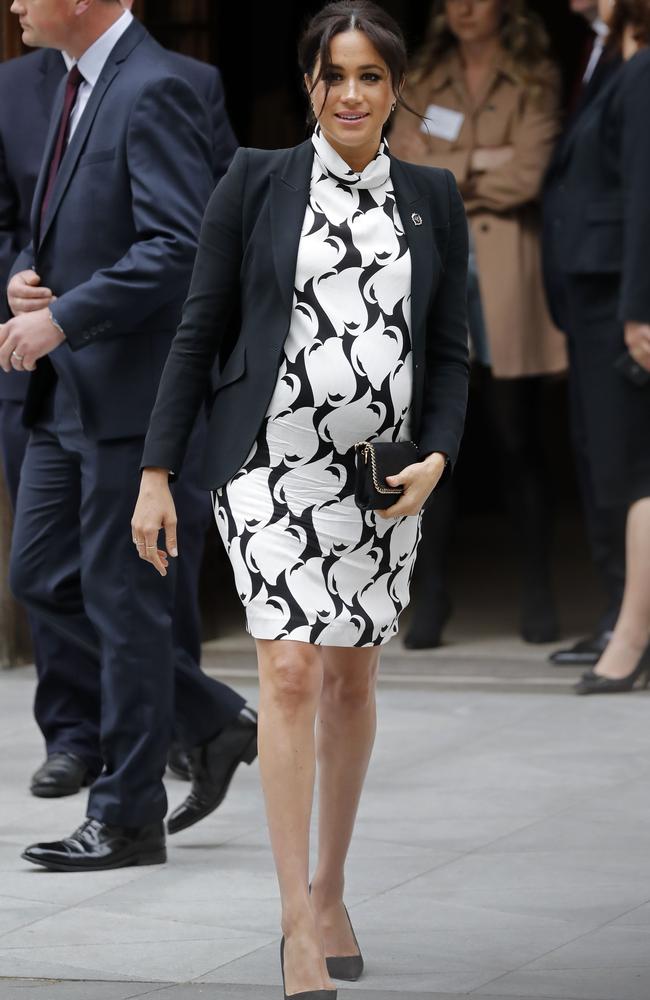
(330, 286)
(603, 244)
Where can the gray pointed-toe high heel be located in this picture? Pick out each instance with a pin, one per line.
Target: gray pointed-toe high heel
(307, 994)
(346, 967)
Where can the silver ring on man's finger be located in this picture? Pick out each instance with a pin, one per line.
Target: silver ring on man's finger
(18, 357)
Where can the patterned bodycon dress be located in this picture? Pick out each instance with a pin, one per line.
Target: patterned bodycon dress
(308, 564)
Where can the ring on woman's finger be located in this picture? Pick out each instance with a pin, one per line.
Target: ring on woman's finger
(18, 357)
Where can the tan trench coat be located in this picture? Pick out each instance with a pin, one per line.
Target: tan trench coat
(501, 203)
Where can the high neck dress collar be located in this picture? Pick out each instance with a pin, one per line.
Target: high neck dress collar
(374, 175)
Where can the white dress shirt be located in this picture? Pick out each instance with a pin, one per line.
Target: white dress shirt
(602, 33)
(92, 63)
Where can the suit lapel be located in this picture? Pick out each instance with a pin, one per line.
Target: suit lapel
(76, 144)
(55, 113)
(288, 197)
(415, 210)
(131, 37)
(599, 86)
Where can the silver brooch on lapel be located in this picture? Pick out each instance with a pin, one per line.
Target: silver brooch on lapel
(417, 219)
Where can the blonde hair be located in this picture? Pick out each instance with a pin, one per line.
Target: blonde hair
(523, 38)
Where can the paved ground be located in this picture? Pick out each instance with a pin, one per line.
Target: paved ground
(502, 852)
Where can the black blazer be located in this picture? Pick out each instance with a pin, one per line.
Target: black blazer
(601, 223)
(241, 298)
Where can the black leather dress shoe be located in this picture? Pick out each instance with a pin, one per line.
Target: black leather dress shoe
(178, 762)
(213, 766)
(61, 774)
(95, 847)
(585, 653)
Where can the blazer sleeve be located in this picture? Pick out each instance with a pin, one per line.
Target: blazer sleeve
(169, 162)
(635, 293)
(225, 141)
(213, 295)
(447, 358)
(518, 182)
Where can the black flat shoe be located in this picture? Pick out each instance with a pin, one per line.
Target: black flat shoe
(212, 767)
(346, 967)
(307, 994)
(95, 847)
(584, 653)
(61, 774)
(178, 762)
(591, 683)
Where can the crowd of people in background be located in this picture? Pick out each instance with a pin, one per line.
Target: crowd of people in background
(559, 217)
(559, 234)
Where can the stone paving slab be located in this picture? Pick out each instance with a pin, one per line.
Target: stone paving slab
(23, 989)
(501, 852)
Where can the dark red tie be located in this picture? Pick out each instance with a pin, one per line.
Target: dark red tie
(73, 83)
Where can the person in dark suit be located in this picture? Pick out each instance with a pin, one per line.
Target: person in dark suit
(66, 705)
(605, 525)
(117, 208)
(330, 282)
(602, 245)
(66, 702)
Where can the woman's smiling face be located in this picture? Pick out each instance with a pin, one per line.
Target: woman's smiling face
(353, 100)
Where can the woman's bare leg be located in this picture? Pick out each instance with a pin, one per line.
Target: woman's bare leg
(347, 720)
(291, 679)
(632, 630)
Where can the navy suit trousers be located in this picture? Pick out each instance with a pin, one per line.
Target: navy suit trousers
(66, 705)
(74, 564)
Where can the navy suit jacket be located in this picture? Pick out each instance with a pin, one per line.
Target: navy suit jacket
(28, 88)
(554, 191)
(241, 299)
(604, 227)
(120, 236)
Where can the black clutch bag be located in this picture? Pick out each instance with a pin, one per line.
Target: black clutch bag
(374, 462)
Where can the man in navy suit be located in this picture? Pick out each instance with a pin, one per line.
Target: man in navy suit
(605, 526)
(115, 220)
(67, 698)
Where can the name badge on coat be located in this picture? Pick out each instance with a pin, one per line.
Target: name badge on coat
(442, 123)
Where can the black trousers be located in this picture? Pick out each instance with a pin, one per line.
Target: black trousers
(74, 565)
(66, 703)
(605, 524)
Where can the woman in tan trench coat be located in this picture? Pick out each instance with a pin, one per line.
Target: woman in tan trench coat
(489, 99)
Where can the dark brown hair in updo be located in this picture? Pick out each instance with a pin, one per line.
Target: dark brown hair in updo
(630, 13)
(353, 15)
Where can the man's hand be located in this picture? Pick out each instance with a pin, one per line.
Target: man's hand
(637, 340)
(25, 339)
(155, 512)
(25, 294)
(418, 480)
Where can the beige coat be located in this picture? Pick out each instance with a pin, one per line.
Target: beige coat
(501, 203)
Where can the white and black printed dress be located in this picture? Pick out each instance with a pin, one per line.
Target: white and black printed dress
(308, 564)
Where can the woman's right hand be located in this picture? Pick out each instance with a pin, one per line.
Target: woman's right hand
(155, 511)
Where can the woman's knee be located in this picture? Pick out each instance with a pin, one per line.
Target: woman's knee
(290, 674)
(350, 689)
